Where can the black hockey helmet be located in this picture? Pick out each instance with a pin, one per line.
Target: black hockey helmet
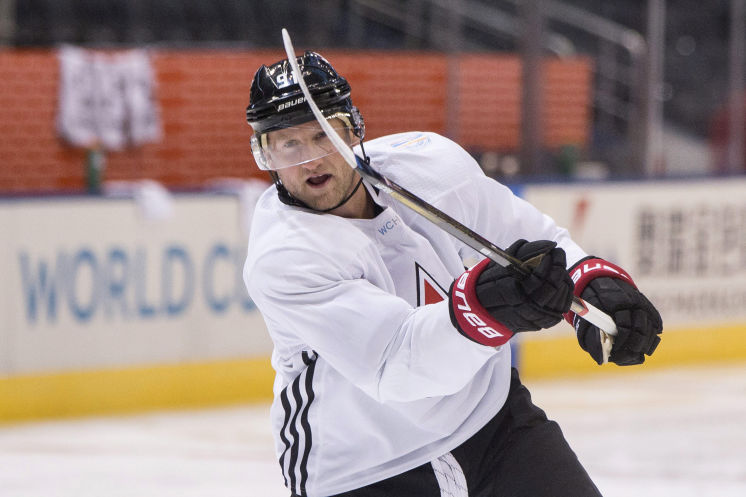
(276, 98)
(277, 101)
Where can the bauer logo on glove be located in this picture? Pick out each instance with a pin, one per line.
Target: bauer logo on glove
(508, 301)
(611, 289)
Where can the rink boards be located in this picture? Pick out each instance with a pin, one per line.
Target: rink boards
(124, 304)
(683, 242)
(109, 305)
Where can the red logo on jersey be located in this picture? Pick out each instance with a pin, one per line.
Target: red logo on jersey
(428, 290)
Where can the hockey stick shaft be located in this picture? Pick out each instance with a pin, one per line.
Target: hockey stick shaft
(436, 216)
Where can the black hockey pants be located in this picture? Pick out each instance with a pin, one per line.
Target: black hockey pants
(519, 453)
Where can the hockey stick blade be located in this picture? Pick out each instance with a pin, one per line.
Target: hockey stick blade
(445, 222)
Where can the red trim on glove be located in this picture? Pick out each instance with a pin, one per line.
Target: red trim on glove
(590, 269)
(474, 321)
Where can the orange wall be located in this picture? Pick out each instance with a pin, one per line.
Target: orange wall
(203, 96)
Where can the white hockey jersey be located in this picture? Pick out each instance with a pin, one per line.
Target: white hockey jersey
(372, 378)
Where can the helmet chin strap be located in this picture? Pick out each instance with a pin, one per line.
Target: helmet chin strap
(288, 199)
(344, 200)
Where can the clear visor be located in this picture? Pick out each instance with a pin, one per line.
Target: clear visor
(300, 144)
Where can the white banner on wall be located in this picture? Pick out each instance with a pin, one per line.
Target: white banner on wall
(90, 283)
(684, 242)
(107, 100)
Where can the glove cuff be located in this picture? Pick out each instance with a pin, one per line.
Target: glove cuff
(590, 268)
(468, 315)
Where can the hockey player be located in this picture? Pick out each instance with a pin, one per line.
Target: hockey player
(393, 375)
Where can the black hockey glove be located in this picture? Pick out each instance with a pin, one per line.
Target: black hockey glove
(612, 290)
(489, 303)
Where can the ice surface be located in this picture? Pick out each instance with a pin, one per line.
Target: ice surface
(676, 432)
(668, 433)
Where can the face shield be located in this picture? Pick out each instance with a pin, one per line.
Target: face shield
(293, 145)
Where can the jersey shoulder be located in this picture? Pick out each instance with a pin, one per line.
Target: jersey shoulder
(426, 163)
(285, 239)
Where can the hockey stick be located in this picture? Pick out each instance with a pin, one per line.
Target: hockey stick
(440, 218)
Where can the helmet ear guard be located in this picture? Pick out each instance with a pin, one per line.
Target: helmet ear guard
(358, 123)
(258, 151)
